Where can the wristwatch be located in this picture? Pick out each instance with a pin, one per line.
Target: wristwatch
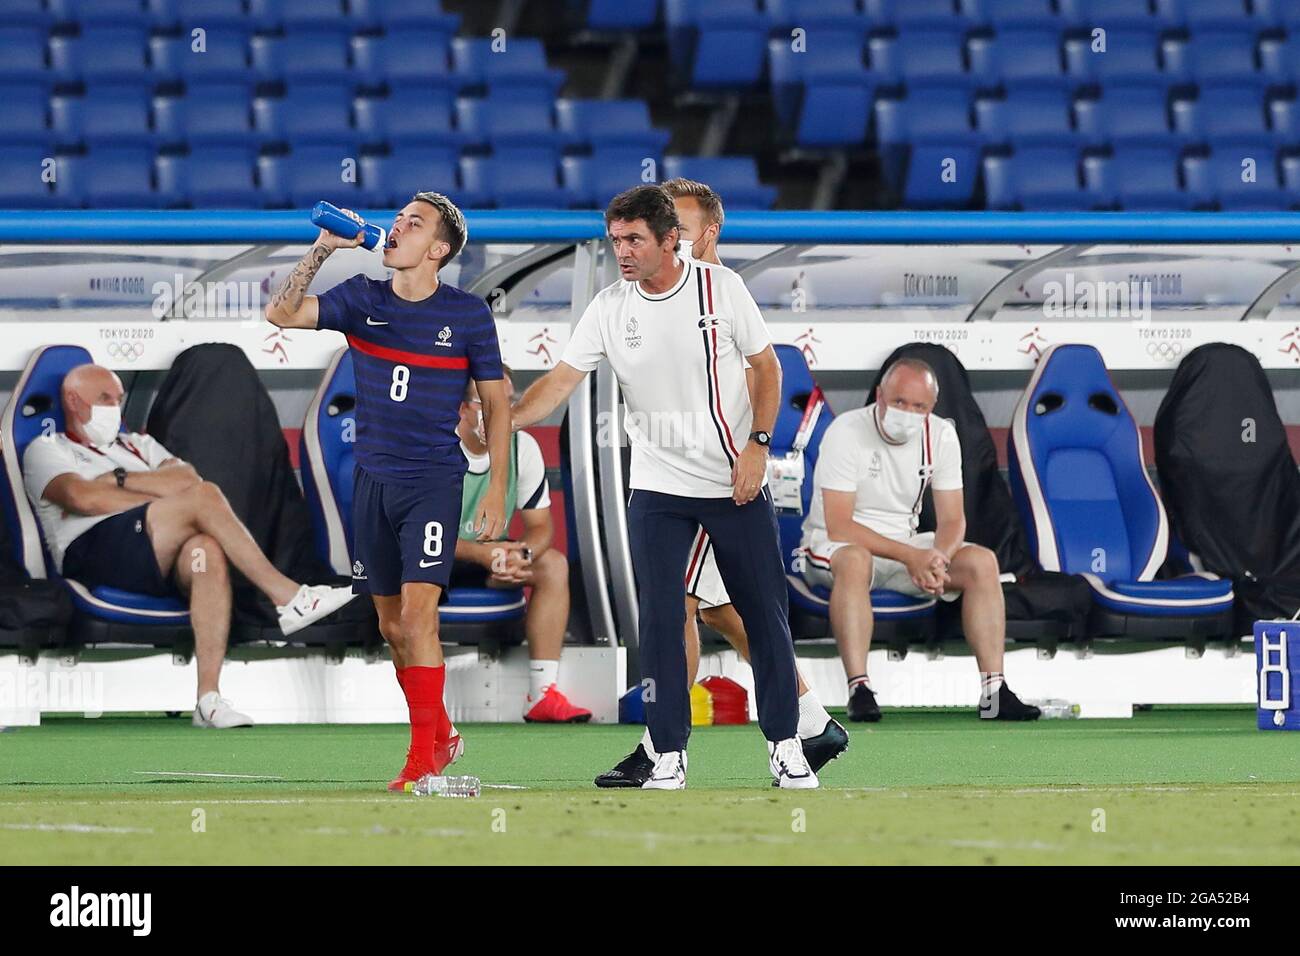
(761, 438)
(120, 475)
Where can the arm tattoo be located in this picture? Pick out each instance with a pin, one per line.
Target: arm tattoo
(288, 297)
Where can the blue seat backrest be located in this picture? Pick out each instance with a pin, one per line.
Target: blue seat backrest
(326, 461)
(1077, 472)
(35, 409)
(797, 385)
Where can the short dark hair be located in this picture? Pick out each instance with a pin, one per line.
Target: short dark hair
(453, 228)
(649, 203)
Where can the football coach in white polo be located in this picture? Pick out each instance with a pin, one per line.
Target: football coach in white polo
(674, 330)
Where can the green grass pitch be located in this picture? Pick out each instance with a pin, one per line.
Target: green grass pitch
(1170, 786)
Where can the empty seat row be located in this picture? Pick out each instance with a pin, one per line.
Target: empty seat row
(260, 14)
(233, 54)
(229, 114)
(127, 177)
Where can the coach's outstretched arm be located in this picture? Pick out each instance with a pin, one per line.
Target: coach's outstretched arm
(547, 394)
(291, 307)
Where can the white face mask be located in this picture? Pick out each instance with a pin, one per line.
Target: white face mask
(684, 248)
(902, 426)
(105, 422)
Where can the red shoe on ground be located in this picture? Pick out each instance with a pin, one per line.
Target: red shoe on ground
(554, 708)
(413, 771)
(447, 752)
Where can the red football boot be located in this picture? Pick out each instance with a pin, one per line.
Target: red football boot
(554, 708)
(413, 771)
(447, 752)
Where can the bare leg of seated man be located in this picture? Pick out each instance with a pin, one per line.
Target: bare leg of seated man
(852, 622)
(196, 534)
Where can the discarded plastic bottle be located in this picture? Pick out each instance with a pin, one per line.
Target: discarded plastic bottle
(331, 218)
(1055, 709)
(433, 785)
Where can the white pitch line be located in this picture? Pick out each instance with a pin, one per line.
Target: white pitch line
(72, 828)
(195, 773)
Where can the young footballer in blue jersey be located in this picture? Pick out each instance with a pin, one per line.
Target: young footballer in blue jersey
(416, 342)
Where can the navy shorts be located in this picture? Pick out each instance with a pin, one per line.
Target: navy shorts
(403, 532)
(117, 553)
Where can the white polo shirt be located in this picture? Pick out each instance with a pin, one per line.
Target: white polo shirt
(52, 455)
(886, 479)
(679, 357)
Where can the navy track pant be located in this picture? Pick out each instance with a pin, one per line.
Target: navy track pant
(747, 545)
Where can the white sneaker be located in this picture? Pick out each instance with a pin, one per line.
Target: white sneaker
(214, 711)
(789, 766)
(310, 604)
(669, 772)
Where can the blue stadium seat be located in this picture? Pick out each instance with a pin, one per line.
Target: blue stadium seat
(824, 94)
(407, 117)
(186, 15)
(306, 175)
(811, 15)
(1236, 179)
(307, 113)
(798, 391)
(326, 454)
(1127, 114)
(1027, 117)
(36, 401)
(1279, 59)
(618, 123)
(525, 178)
(208, 114)
(926, 116)
(31, 13)
(1228, 113)
(116, 177)
(406, 15)
(21, 185)
(734, 177)
(390, 181)
(1221, 56)
(1130, 54)
(413, 57)
(614, 15)
(316, 55)
(522, 64)
(1107, 14)
(509, 120)
(113, 113)
(101, 52)
(1081, 486)
(716, 44)
(1276, 13)
(116, 12)
(1137, 177)
(23, 51)
(1203, 14)
(1002, 13)
(944, 14)
(1290, 179)
(214, 177)
(224, 57)
(941, 176)
(26, 112)
(291, 15)
(1035, 179)
(922, 58)
(1019, 56)
(592, 181)
(1284, 122)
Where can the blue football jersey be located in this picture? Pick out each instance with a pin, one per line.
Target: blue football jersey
(413, 361)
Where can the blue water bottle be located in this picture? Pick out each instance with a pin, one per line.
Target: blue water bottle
(331, 218)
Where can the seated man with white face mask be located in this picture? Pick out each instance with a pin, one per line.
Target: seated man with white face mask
(118, 510)
(873, 468)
